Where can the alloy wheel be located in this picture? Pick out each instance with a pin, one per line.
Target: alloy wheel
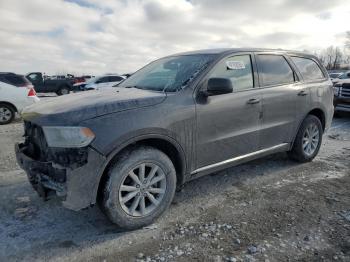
(142, 189)
(5, 114)
(311, 139)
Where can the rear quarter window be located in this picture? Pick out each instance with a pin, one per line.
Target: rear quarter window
(308, 68)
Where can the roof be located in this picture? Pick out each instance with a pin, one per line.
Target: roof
(220, 51)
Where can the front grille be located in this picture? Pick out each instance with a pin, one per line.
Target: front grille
(345, 90)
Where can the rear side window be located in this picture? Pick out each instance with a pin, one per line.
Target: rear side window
(275, 70)
(308, 68)
(15, 80)
(238, 69)
(115, 78)
(104, 79)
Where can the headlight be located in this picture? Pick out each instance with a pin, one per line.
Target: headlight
(336, 90)
(68, 136)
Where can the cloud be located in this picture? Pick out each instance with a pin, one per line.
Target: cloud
(89, 36)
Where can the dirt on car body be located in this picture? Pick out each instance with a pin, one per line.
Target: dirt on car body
(270, 209)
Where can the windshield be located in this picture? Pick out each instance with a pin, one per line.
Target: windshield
(334, 75)
(168, 74)
(344, 76)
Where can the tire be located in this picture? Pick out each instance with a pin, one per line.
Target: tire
(121, 184)
(7, 113)
(305, 147)
(63, 91)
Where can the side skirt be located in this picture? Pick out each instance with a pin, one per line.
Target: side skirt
(238, 160)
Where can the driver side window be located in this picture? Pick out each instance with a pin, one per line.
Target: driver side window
(238, 69)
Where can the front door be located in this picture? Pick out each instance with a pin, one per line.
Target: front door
(37, 81)
(228, 124)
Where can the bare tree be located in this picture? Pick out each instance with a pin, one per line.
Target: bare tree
(347, 42)
(331, 57)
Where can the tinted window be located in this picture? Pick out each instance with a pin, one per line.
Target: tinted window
(238, 69)
(115, 78)
(12, 79)
(334, 75)
(33, 77)
(103, 80)
(275, 70)
(308, 68)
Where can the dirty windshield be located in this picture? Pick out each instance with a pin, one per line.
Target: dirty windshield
(168, 74)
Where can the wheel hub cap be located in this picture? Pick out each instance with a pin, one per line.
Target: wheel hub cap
(5, 114)
(142, 189)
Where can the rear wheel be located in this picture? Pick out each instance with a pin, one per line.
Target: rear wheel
(63, 91)
(140, 187)
(7, 114)
(308, 140)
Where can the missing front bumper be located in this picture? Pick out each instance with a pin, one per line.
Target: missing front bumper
(75, 186)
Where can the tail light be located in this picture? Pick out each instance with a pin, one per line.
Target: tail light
(31, 92)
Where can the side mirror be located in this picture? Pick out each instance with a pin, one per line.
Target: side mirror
(219, 86)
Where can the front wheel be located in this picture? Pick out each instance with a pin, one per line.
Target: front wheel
(308, 140)
(140, 187)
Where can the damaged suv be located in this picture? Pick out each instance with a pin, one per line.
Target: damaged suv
(177, 118)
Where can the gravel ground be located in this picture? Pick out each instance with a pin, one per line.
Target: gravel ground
(271, 209)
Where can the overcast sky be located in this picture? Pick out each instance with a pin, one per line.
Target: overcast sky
(111, 36)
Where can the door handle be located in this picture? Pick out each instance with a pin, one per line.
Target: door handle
(302, 93)
(253, 101)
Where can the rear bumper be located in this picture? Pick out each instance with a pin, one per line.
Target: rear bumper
(75, 187)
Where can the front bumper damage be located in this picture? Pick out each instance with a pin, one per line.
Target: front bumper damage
(76, 186)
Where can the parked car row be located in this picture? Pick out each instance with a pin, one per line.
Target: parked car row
(16, 92)
(99, 82)
(64, 85)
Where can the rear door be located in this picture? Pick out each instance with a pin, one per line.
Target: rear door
(283, 97)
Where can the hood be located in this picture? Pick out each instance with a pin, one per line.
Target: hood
(341, 81)
(74, 108)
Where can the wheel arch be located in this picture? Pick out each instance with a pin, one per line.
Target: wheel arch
(63, 86)
(9, 104)
(319, 113)
(165, 144)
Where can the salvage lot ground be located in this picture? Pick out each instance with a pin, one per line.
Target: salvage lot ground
(268, 210)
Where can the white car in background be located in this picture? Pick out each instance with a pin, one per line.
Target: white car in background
(16, 92)
(104, 81)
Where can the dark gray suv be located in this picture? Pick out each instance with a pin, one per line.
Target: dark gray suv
(178, 118)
